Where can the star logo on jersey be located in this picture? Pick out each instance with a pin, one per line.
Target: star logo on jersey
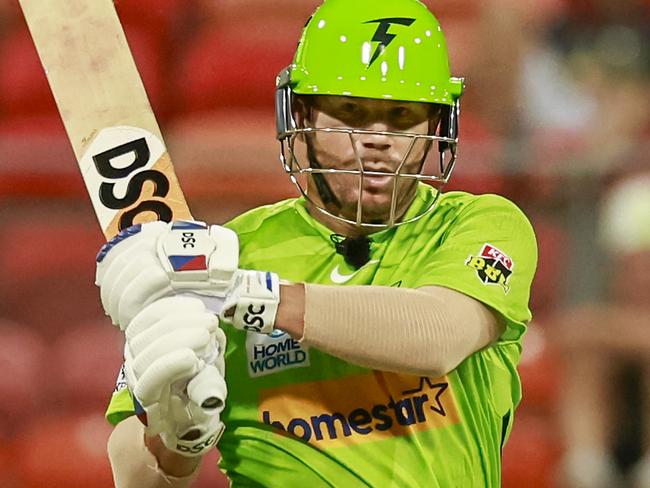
(433, 387)
(383, 37)
(493, 266)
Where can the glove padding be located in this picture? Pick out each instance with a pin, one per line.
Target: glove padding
(149, 261)
(171, 341)
(252, 301)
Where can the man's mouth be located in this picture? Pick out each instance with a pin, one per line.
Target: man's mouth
(377, 183)
(379, 167)
(377, 176)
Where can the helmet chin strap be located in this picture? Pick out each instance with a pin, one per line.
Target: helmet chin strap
(355, 250)
(324, 190)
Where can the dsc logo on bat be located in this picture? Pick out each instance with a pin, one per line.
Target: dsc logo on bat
(139, 149)
(127, 175)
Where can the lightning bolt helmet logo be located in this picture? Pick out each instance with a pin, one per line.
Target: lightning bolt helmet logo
(382, 36)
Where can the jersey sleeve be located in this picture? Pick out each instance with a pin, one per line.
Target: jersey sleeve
(490, 254)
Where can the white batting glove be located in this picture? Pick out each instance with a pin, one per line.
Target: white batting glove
(148, 261)
(171, 341)
(252, 301)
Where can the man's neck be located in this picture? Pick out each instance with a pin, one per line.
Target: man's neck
(337, 226)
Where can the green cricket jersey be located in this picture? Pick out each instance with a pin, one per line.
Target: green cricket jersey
(299, 417)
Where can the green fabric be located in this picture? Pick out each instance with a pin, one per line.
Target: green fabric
(299, 417)
(120, 407)
(386, 49)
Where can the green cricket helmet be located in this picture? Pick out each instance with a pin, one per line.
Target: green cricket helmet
(377, 49)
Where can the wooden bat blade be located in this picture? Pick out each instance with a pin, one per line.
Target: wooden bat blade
(109, 121)
(106, 112)
(89, 66)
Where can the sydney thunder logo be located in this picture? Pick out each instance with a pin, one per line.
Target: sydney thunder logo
(382, 36)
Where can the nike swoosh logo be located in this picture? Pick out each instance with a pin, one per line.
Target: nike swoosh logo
(339, 278)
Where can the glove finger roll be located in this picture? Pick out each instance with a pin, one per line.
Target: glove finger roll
(167, 325)
(159, 310)
(113, 268)
(147, 286)
(196, 340)
(113, 250)
(118, 291)
(163, 372)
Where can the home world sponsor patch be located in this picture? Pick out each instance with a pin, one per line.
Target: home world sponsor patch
(360, 408)
(278, 351)
(493, 267)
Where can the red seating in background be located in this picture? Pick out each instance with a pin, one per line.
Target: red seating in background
(48, 262)
(553, 255)
(236, 68)
(23, 84)
(149, 52)
(9, 11)
(478, 169)
(86, 360)
(41, 446)
(550, 150)
(69, 451)
(26, 99)
(454, 8)
(8, 476)
(531, 454)
(155, 14)
(540, 371)
(22, 376)
(66, 451)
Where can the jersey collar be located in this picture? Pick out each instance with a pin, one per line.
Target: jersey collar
(423, 197)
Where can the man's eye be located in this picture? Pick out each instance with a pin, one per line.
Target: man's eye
(352, 113)
(399, 112)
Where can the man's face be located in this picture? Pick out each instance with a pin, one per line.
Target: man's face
(370, 152)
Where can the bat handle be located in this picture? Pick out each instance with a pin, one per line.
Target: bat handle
(208, 389)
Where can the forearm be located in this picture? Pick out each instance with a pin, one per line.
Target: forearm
(141, 462)
(427, 331)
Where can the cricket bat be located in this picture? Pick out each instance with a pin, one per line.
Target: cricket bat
(106, 112)
(107, 115)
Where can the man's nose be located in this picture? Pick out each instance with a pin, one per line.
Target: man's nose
(376, 141)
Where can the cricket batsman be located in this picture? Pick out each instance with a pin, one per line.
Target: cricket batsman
(370, 330)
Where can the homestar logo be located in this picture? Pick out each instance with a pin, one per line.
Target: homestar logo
(273, 353)
(365, 413)
(382, 36)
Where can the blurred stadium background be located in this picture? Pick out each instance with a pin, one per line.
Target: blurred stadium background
(555, 117)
